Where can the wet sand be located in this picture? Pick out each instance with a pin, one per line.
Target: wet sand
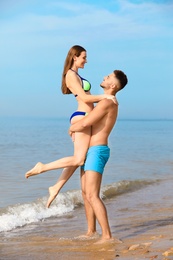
(143, 220)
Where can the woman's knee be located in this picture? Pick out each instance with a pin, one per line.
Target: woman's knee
(79, 161)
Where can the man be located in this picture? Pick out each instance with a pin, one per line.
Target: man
(102, 119)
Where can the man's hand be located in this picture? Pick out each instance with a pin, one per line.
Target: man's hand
(72, 134)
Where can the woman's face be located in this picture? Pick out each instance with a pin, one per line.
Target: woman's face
(81, 60)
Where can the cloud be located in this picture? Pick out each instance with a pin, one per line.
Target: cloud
(64, 22)
(144, 19)
(135, 35)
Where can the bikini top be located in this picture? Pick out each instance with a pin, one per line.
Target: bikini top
(86, 85)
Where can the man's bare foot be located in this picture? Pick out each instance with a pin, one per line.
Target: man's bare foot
(38, 168)
(109, 240)
(52, 195)
(88, 235)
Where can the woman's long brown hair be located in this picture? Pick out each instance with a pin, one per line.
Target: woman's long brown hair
(75, 50)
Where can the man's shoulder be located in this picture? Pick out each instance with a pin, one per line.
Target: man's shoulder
(107, 103)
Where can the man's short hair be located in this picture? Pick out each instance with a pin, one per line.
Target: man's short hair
(121, 77)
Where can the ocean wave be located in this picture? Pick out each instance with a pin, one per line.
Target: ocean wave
(123, 187)
(23, 214)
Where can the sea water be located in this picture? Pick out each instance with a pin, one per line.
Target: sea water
(141, 153)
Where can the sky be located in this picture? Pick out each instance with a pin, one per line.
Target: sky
(135, 36)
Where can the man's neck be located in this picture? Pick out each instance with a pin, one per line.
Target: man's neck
(109, 92)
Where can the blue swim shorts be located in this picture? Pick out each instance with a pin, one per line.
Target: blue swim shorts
(96, 158)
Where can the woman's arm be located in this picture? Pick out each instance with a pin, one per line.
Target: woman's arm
(74, 84)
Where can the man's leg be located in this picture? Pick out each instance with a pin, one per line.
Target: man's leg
(90, 216)
(92, 189)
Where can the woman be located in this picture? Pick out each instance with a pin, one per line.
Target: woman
(73, 83)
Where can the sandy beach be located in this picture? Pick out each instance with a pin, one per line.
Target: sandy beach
(142, 220)
(148, 232)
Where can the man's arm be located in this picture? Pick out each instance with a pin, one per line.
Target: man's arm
(93, 117)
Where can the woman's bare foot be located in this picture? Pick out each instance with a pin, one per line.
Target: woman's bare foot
(38, 168)
(52, 195)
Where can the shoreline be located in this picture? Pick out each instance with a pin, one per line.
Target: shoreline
(147, 232)
(142, 219)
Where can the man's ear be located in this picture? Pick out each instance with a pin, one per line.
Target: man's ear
(113, 86)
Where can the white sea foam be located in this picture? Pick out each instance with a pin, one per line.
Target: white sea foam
(21, 215)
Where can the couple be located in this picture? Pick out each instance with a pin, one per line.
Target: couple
(92, 127)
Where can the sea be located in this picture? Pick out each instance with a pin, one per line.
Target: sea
(141, 156)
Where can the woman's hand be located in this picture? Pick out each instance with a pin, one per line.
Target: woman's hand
(112, 97)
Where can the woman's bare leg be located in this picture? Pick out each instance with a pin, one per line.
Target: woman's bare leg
(81, 144)
(54, 190)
